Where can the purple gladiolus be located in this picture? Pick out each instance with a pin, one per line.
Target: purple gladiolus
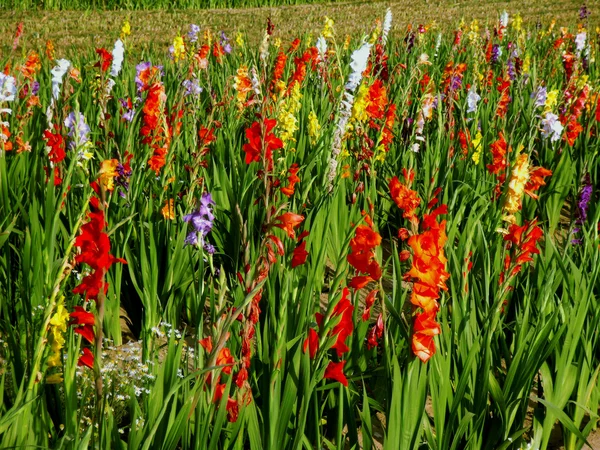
(539, 97)
(193, 33)
(582, 207)
(224, 41)
(496, 53)
(202, 221)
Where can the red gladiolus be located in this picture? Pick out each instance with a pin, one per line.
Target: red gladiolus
(232, 410)
(206, 344)
(523, 245)
(278, 68)
(289, 221)
(219, 391)
(241, 377)
(292, 180)
(362, 255)
(375, 333)
(95, 252)
(255, 146)
(429, 275)
(311, 343)
(300, 255)
(335, 371)
(425, 328)
(498, 149)
(56, 144)
(369, 301)
(536, 180)
(87, 359)
(573, 130)
(405, 198)
(345, 327)
(105, 59)
(377, 100)
(225, 359)
(360, 281)
(82, 317)
(85, 321)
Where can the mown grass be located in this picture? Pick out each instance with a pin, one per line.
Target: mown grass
(71, 31)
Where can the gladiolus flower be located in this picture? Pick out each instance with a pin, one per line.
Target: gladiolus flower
(375, 333)
(311, 343)
(335, 371)
(289, 221)
(254, 147)
(225, 359)
(405, 198)
(87, 359)
(300, 255)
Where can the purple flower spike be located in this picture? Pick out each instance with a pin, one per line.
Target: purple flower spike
(202, 221)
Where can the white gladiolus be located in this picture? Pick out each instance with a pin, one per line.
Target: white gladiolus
(321, 47)
(504, 19)
(58, 72)
(358, 65)
(472, 99)
(8, 88)
(387, 25)
(580, 41)
(551, 127)
(117, 54)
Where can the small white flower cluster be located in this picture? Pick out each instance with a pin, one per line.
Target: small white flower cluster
(123, 371)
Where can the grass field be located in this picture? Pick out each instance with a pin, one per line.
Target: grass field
(321, 226)
(154, 29)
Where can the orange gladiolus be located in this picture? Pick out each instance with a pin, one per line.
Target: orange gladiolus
(289, 221)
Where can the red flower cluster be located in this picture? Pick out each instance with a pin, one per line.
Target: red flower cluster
(94, 245)
(84, 325)
(155, 131)
(292, 180)
(362, 254)
(405, 198)
(499, 164)
(342, 312)
(429, 274)
(278, 68)
(106, 58)
(310, 55)
(573, 127)
(523, 244)
(504, 89)
(288, 221)
(257, 147)
(56, 144)
(300, 254)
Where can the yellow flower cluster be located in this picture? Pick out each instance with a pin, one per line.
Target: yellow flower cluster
(242, 84)
(474, 31)
(108, 172)
(328, 28)
(58, 326)
(361, 101)
(239, 39)
(287, 116)
(126, 29)
(477, 147)
(178, 49)
(168, 211)
(517, 22)
(314, 128)
(551, 100)
(516, 187)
